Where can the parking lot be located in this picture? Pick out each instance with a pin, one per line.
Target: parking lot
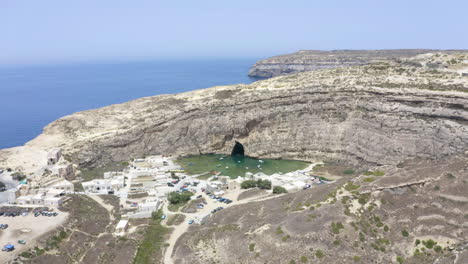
(25, 227)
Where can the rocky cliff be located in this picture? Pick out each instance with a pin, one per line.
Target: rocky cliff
(381, 113)
(309, 60)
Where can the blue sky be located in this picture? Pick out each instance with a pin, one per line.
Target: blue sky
(46, 31)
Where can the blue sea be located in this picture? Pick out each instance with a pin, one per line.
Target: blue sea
(33, 96)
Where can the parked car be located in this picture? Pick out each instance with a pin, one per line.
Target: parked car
(163, 216)
(22, 242)
(199, 196)
(170, 184)
(190, 222)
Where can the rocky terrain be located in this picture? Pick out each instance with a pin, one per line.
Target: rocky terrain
(393, 134)
(309, 60)
(382, 113)
(412, 213)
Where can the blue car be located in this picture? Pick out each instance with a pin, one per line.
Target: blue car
(190, 222)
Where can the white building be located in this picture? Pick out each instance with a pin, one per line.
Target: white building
(121, 227)
(150, 206)
(53, 201)
(104, 185)
(61, 184)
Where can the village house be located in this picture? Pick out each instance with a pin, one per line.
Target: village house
(67, 172)
(104, 185)
(53, 156)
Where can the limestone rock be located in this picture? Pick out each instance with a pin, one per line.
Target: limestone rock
(309, 60)
(382, 113)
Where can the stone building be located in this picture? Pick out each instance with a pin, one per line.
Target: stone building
(67, 172)
(54, 156)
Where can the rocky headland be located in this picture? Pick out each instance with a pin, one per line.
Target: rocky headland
(393, 136)
(309, 60)
(381, 113)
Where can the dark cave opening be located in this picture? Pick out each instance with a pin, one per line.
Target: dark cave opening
(238, 149)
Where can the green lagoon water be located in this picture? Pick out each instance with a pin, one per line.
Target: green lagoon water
(234, 166)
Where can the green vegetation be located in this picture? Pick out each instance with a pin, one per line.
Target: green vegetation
(175, 219)
(26, 254)
(279, 231)
(369, 179)
(96, 173)
(262, 184)
(205, 176)
(251, 247)
(362, 237)
(18, 176)
(304, 259)
(385, 228)
(351, 187)
(450, 176)
(279, 189)
(286, 237)
(404, 233)
(336, 227)
(348, 171)
(178, 199)
(324, 179)
(399, 259)
(152, 241)
(319, 254)
(429, 243)
(364, 198)
(356, 258)
(376, 173)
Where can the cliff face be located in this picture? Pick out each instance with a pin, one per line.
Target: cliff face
(309, 60)
(382, 114)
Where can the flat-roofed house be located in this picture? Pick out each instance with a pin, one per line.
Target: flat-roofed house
(53, 156)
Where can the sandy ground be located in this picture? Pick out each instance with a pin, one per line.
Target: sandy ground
(28, 228)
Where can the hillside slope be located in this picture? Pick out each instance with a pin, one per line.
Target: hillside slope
(381, 114)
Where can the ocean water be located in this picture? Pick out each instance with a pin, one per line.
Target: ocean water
(236, 165)
(33, 96)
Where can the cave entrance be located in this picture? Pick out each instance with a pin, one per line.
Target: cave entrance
(238, 149)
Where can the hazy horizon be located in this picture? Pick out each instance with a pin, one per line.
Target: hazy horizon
(55, 31)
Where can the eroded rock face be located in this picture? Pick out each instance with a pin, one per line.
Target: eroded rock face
(381, 113)
(310, 60)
